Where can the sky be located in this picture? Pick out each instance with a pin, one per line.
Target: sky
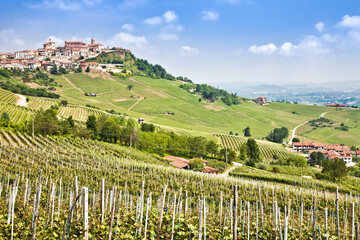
(219, 42)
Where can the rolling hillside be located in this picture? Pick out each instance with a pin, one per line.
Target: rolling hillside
(153, 98)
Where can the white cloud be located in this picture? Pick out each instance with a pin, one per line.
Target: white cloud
(167, 17)
(320, 26)
(188, 51)
(263, 49)
(129, 38)
(288, 49)
(58, 41)
(154, 20)
(9, 41)
(58, 4)
(168, 36)
(350, 21)
(170, 16)
(209, 15)
(308, 46)
(128, 27)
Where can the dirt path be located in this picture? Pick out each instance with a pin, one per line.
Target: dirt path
(236, 165)
(293, 132)
(73, 85)
(134, 104)
(21, 101)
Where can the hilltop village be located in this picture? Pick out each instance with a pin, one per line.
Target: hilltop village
(68, 56)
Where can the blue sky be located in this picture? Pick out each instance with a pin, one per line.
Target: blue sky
(212, 41)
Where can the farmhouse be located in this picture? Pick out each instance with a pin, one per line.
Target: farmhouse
(307, 146)
(331, 155)
(261, 100)
(141, 120)
(336, 105)
(184, 164)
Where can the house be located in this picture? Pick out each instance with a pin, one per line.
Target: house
(336, 105)
(49, 45)
(307, 146)
(95, 47)
(92, 65)
(261, 100)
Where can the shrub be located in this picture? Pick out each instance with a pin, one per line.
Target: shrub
(276, 170)
(196, 164)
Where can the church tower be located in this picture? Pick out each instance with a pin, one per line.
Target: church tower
(92, 40)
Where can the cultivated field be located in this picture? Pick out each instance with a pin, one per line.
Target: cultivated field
(54, 187)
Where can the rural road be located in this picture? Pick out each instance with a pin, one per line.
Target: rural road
(293, 132)
(21, 101)
(236, 165)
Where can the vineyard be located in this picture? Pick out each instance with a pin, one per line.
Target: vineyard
(79, 113)
(267, 149)
(7, 97)
(41, 103)
(71, 188)
(18, 115)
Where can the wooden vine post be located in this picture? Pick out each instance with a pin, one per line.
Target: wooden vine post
(161, 211)
(36, 209)
(102, 203)
(235, 217)
(85, 193)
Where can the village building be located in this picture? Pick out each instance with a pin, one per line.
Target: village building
(336, 105)
(141, 120)
(183, 163)
(261, 100)
(49, 45)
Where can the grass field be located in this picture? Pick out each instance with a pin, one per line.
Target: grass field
(153, 98)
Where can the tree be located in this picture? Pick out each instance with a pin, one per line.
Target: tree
(197, 146)
(200, 100)
(79, 69)
(296, 140)
(148, 127)
(111, 130)
(196, 164)
(316, 158)
(335, 169)
(5, 119)
(278, 134)
(228, 155)
(62, 70)
(212, 147)
(129, 87)
(46, 122)
(64, 103)
(353, 148)
(253, 150)
(87, 69)
(71, 122)
(91, 124)
(243, 152)
(54, 70)
(247, 132)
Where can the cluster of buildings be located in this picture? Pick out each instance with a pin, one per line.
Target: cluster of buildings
(62, 56)
(330, 151)
(183, 163)
(336, 105)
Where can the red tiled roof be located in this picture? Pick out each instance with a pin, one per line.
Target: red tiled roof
(210, 170)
